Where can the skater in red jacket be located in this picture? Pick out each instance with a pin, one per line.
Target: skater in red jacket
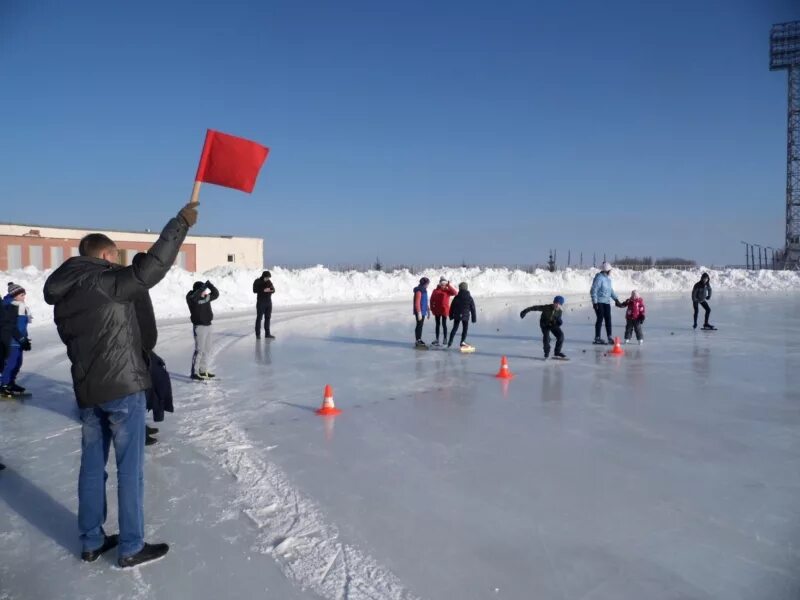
(634, 316)
(440, 307)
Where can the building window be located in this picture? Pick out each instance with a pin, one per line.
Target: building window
(35, 256)
(231, 258)
(56, 256)
(14, 257)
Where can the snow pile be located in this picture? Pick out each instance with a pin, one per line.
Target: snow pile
(318, 285)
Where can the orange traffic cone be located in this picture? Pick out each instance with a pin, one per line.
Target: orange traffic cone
(617, 349)
(328, 408)
(504, 373)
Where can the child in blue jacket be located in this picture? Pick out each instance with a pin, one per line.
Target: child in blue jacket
(15, 319)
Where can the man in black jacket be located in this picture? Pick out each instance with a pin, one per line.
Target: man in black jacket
(263, 289)
(199, 300)
(95, 313)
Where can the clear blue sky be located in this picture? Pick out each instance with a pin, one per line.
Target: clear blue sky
(425, 132)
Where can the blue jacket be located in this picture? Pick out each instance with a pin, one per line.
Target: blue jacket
(18, 323)
(602, 291)
(422, 307)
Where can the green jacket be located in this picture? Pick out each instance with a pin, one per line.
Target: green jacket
(551, 314)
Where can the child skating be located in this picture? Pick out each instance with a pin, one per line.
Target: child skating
(634, 316)
(701, 294)
(421, 311)
(440, 307)
(550, 322)
(461, 310)
(15, 319)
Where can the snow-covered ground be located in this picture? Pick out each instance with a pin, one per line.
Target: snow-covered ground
(669, 473)
(318, 285)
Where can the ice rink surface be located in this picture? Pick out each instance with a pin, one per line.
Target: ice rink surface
(670, 473)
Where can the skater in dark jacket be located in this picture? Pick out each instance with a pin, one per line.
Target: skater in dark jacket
(199, 300)
(549, 322)
(701, 294)
(263, 289)
(15, 316)
(94, 311)
(461, 310)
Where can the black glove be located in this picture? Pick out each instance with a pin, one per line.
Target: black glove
(523, 313)
(594, 306)
(641, 319)
(618, 303)
(25, 344)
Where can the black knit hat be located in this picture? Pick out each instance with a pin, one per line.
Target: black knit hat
(266, 274)
(424, 280)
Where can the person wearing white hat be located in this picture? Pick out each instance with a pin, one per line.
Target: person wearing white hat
(602, 294)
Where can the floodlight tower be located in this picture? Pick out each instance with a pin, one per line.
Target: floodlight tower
(784, 54)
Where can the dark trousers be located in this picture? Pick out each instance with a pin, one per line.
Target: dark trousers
(263, 310)
(632, 326)
(705, 306)
(603, 312)
(441, 321)
(418, 329)
(556, 331)
(464, 328)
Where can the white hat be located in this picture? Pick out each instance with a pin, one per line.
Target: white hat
(443, 279)
(606, 266)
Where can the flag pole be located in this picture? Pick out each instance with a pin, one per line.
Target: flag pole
(195, 193)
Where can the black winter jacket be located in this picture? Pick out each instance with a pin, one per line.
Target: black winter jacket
(259, 285)
(551, 316)
(95, 314)
(701, 292)
(200, 306)
(462, 307)
(159, 397)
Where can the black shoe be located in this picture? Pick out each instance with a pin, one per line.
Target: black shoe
(197, 377)
(258, 337)
(560, 355)
(149, 553)
(110, 542)
(2, 466)
(611, 341)
(149, 440)
(150, 430)
(16, 389)
(207, 375)
(599, 341)
(694, 326)
(269, 336)
(5, 392)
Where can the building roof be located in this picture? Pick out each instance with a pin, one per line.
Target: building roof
(100, 229)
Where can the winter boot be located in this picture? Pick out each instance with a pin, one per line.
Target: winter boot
(5, 392)
(421, 344)
(560, 355)
(435, 343)
(149, 440)
(16, 389)
(610, 341)
(149, 553)
(599, 341)
(110, 542)
(150, 430)
(207, 375)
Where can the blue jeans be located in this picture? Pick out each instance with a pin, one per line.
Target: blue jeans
(122, 421)
(13, 365)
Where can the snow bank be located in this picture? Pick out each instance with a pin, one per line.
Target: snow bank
(319, 285)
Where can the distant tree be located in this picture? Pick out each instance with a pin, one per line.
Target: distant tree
(551, 262)
(378, 266)
(634, 261)
(670, 261)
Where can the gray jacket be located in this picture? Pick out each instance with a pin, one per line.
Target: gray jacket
(701, 292)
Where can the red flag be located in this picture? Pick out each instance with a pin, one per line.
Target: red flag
(230, 161)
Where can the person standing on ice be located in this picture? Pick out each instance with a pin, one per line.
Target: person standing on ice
(263, 289)
(440, 307)
(199, 300)
(550, 322)
(421, 309)
(602, 294)
(96, 319)
(634, 316)
(701, 294)
(16, 317)
(462, 308)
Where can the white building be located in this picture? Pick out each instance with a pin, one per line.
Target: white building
(46, 247)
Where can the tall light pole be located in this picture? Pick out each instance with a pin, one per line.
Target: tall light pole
(773, 255)
(759, 256)
(746, 255)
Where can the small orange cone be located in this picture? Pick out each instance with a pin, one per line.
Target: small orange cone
(328, 408)
(504, 373)
(617, 350)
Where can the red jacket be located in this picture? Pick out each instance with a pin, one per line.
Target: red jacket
(440, 300)
(635, 308)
